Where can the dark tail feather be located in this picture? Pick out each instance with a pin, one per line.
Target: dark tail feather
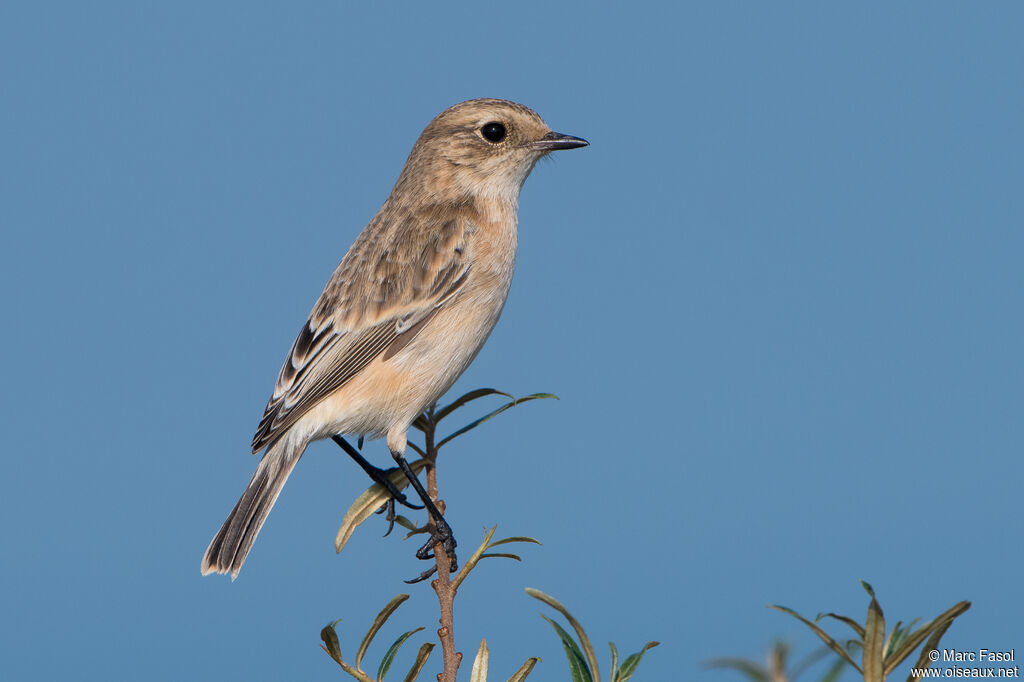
(232, 543)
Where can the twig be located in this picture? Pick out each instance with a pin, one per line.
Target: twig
(442, 583)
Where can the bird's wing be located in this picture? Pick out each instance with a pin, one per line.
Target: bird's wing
(388, 286)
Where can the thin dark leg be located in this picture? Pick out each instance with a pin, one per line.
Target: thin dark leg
(381, 477)
(442, 531)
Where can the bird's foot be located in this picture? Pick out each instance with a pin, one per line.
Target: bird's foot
(441, 535)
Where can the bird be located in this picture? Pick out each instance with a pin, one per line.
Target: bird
(406, 311)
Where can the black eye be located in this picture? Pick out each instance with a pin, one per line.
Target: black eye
(493, 132)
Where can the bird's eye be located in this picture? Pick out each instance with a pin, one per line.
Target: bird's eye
(493, 132)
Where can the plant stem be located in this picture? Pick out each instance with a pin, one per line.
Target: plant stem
(442, 583)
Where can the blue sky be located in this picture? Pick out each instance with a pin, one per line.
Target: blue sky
(779, 296)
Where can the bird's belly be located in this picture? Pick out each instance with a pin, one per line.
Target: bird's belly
(389, 394)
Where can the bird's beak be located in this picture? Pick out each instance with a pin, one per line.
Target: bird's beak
(553, 141)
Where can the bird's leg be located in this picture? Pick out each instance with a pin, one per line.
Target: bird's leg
(442, 531)
(381, 477)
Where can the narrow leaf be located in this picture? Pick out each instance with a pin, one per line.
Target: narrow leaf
(857, 627)
(421, 660)
(491, 555)
(515, 538)
(613, 669)
(378, 622)
(895, 635)
(524, 670)
(931, 645)
(867, 588)
(479, 672)
(389, 656)
(472, 425)
(874, 638)
(584, 640)
(907, 647)
(821, 633)
(369, 502)
(473, 560)
(629, 666)
(405, 523)
(577, 665)
(465, 398)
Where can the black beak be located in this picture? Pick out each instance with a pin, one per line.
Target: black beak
(553, 141)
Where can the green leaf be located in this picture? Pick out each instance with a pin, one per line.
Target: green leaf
(577, 665)
(465, 398)
(472, 425)
(479, 671)
(630, 664)
(613, 669)
(389, 656)
(524, 670)
(833, 644)
(330, 637)
(874, 638)
(515, 538)
(897, 637)
(421, 660)
(867, 588)
(580, 632)
(378, 622)
(912, 641)
(753, 670)
(369, 502)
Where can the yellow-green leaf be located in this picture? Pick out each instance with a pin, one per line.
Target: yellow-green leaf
(479, 672)
(940, 624)
(857, 627)
(524, 670)
(833, 644)
(378, 622)
(421, 660)
(369, 502)
(873, 660)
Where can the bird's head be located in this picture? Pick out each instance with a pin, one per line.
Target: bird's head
(482, 148)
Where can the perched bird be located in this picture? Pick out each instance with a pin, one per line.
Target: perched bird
(406, 311)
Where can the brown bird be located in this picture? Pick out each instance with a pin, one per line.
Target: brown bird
(405, 312)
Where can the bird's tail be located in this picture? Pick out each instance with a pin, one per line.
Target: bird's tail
(228, 549)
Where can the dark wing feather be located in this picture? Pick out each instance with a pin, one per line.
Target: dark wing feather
(330, 349)
(338, 359)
